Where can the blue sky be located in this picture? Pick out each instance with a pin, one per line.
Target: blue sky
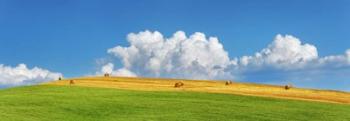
(68, 36)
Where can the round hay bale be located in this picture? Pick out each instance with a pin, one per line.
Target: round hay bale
(287, 87)
(228, 82)
(71, 82)
(179, 84)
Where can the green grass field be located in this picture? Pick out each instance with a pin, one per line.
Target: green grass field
(72, 103)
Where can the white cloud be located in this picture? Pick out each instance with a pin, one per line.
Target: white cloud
(196, 56)
(285, 52)
(348, 55)
(108, 68)
(336, 60)
(21, 75)
(124, 72)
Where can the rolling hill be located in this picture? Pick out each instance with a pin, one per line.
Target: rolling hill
(214, 86)
(135, 99)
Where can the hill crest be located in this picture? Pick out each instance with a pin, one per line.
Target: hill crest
(213, 86)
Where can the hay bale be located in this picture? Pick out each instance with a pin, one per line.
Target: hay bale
(288, 86)
(228, 82)
(106, 75)
(71, 82)
(179, 84)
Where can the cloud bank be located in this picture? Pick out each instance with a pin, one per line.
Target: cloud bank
(21, 75)
(196, 56)
(152, 55)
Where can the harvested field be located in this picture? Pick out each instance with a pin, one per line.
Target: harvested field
(154, 84)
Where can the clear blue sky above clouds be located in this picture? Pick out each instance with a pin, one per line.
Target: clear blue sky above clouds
(69, 35)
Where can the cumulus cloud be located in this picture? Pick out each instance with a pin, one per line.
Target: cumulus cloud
(285, 52)
(21, 75)
(336, 60)
(288, 60)
(151, 54)
(108, 68)
(196, 56)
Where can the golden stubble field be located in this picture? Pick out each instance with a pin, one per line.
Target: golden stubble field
(213, 86)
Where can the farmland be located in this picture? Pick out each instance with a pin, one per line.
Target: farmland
(135, 99)
(213, 86)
